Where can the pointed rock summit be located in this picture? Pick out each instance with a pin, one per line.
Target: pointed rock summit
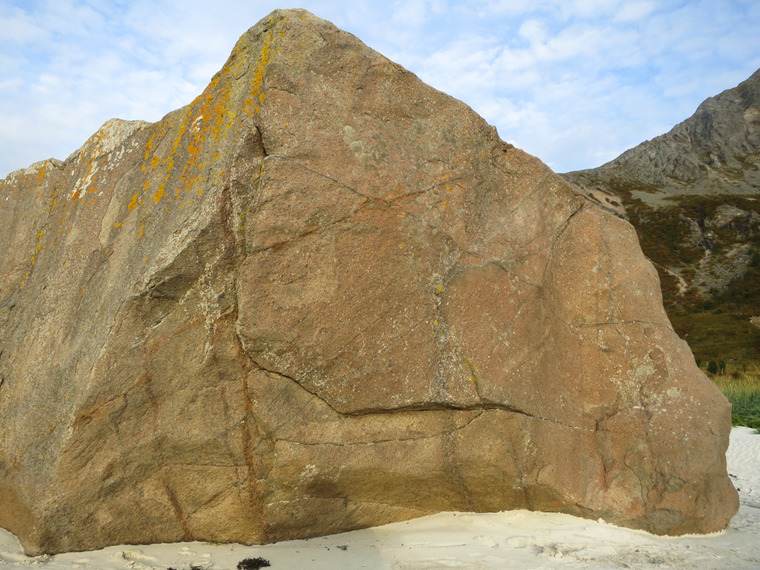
(715, 151)
(325, 296)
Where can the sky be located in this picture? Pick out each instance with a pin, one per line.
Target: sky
(573, 82)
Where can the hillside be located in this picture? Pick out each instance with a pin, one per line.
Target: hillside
(693, 196)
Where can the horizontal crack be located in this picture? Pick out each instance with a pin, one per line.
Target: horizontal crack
(386, 440)
(615, 323)
(434, 407)
(423, 407)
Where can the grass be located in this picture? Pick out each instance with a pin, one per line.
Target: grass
(743, 391)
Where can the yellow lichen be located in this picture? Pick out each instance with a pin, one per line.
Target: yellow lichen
(252, 103)
(133, 204)
(159, 193)
(473, 370)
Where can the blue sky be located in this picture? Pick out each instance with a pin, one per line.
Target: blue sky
(574, 82)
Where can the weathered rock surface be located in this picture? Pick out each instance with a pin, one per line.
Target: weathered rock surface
(325, 296)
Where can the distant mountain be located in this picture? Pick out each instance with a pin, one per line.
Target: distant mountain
(693, 196)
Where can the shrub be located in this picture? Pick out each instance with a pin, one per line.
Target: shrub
(253, 563)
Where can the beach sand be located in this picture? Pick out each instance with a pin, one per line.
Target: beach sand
(513, 539)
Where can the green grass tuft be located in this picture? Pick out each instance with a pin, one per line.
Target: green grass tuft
(744, 394)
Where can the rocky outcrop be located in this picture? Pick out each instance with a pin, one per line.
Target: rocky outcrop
(715, 151)
(325, 296)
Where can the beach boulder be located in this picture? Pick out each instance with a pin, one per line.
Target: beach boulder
(325, 296)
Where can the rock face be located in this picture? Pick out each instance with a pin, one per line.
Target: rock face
(692, 195)
(325, 296)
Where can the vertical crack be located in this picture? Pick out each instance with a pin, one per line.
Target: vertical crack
(250, 434)
(187, 535)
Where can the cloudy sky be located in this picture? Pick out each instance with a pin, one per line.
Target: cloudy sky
(574, 82)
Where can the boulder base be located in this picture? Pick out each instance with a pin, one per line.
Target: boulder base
(322, 297)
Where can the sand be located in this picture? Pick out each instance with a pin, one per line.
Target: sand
(514, 539)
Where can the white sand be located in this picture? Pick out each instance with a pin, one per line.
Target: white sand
(516, 539)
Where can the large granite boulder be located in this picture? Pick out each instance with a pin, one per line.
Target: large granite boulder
(325, 296)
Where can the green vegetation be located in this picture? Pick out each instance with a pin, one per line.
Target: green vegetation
(715, 323)
(743, 391)
(715, 335)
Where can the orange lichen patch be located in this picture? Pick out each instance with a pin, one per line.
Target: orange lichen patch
(37, 250)
(142, 229)
(133, 204)
(212, 120)
(41, 173)
(160, 131)
(252, 103)
(149, 147)
(146, 184)
(159, 193)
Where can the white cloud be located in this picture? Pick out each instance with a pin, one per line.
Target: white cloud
(16, 27)
(534, 31)
(415, 13)
(632, 11)
(587, 8)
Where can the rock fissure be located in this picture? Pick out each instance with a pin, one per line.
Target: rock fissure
(296, 382)
(618, 323)
(377, 441)
(311, 231)
(180, 516)
(322, 175)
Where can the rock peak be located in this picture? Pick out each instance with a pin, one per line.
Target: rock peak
(713, 151)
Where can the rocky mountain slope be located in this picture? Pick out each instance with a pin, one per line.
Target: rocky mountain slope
(693, 195)
(325, 296)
